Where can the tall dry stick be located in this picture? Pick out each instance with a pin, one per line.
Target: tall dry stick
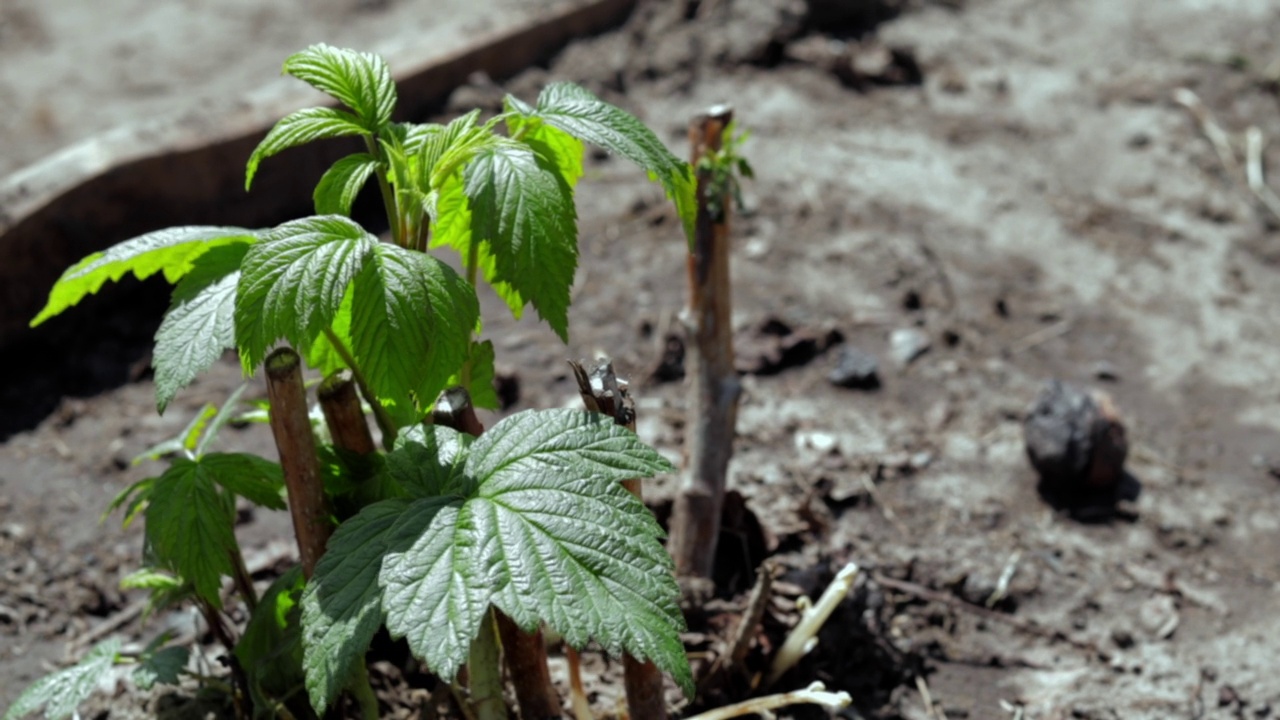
(525, 653)
(715, 388)
(291, 427)
(601, 392)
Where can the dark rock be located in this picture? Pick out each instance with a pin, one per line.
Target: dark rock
(856, 368)
(850, 17)
(1076, 441)
(773, 346)
(865, 65)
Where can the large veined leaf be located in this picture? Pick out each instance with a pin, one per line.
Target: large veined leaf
(172, 251)
(532, 519)
(451, 227)
(454, 139)
(563, 149)
(523, 207)
(580, 113)
(257, 480)
(338, 187)
(190, 527)
(412, 317)
(200, 323)
(341, 606)
(61, 692)
(300, 128)
(292, 282)
(361, 81)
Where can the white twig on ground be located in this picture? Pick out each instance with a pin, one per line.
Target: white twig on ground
(804, 636)
(815, 694)
(1006, 576)
(1254, 172)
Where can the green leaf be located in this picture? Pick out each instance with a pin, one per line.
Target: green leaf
(321, 354)
(522, 206)
(226, 414)
(189, 527)
(136, 495)
(428, 462)
(443, 148)
(172, 251)
(61, 692)
(565, 150)
(259, 481)
(164, 665)
(339, 186)
(185, 440)
(150, 579)
(361, 81)
(300, 128)
(547, 535)
(270, 651)
(481, 389)
(340, 606)
(432, 594)
(412, 317)
(581, 114)
(451, 226)
(292, 282)
(200, 323)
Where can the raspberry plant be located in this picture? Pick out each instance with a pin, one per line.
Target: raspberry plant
(443, 527)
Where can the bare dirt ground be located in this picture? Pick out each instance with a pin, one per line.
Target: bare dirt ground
(1014, 182)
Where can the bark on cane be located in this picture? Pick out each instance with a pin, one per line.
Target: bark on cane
(601, 392)
(291, 427)
(342, 413)
(525, 653)
(714, 384)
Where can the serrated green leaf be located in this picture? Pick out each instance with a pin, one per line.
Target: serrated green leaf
(226, 414)
(190, 528)
(185, 440)
(361, 81)
(412, 317)
(548, 535)
(259, 481)
(292, 283)
(581, 114)
(300, 128)
(523, 207)
(444, 148)
(451, 227)
(564, 150)
(321, 354)
(338, 187)
(150, 579)
(340, 606)
(61, 692)
(161, 666)
(270, 651)
(480, 388)
(172, 251)
(429, 462)
(200, 323)
(431, 593)
(136, 495)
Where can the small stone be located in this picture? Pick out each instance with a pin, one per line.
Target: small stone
(1076, 442)
(1106, 371)
(855, 369)
(907, 344)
